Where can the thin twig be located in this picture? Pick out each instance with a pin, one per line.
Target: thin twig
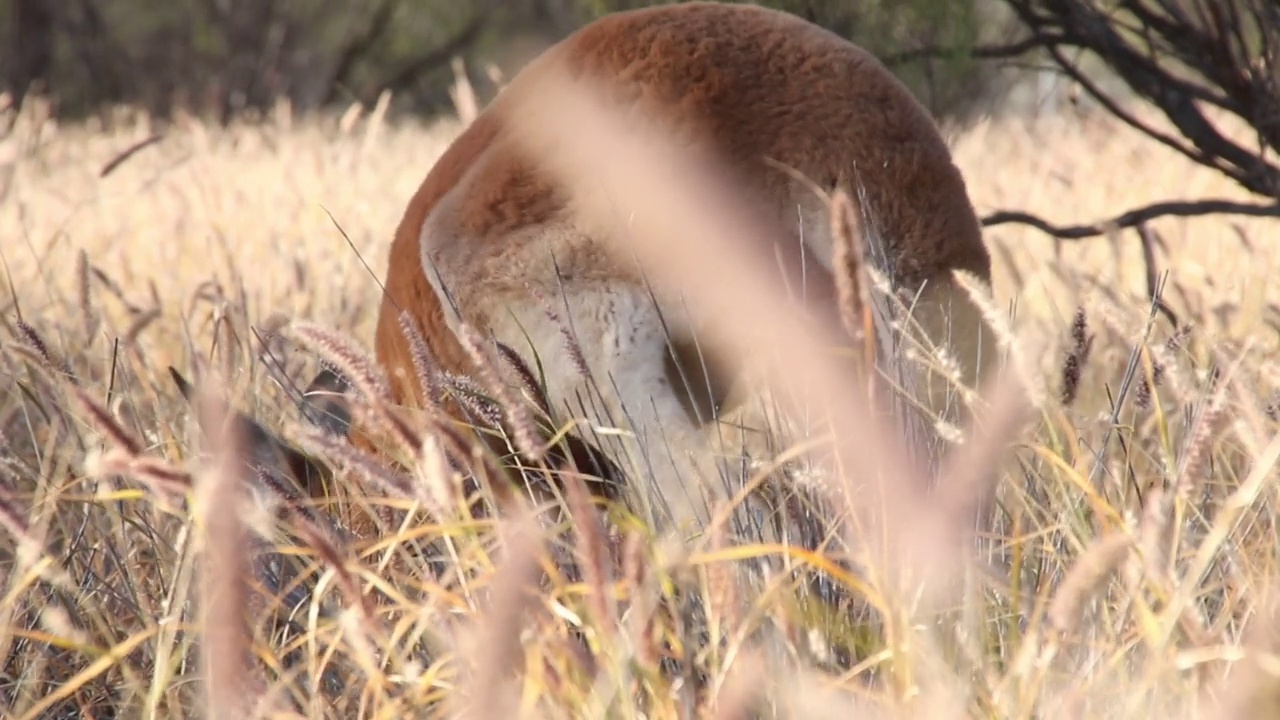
(129, 152)
(1132, 218)
(978, 52)
(1150, 238)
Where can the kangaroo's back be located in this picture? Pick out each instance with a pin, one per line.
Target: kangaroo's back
(760, 87)
(784, 105)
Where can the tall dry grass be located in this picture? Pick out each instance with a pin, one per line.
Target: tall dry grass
(1132, 574)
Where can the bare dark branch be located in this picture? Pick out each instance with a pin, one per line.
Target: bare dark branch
(1132, 218)
(437, 56)
(1182, 60)
(979, 52)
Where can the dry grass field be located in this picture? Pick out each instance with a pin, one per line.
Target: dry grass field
(1135, 577)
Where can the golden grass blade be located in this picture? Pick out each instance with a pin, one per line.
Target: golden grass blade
(224, 592)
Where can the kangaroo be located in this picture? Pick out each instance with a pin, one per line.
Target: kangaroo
(489, 239)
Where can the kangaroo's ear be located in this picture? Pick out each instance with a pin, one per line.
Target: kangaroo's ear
(266, 450)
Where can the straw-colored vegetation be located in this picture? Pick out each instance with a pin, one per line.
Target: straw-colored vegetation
(1133, 577)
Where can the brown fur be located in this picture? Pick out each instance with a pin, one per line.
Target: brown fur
(761, 84)
(751, 84)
